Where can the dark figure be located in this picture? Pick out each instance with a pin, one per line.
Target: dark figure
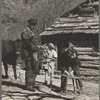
(29, 54)
(64, 65)
(70, 59)
(10, 53)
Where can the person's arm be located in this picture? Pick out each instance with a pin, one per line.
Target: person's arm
(54, 55)
(64, 71)
(76, 53)
(23, 44)
(33, 45)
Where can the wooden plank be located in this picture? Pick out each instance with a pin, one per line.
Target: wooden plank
(89, 73)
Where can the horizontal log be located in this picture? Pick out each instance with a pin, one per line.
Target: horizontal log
(86, 53)
(89, 73)
(87, 58)
(90, 23)
(88, 69)
(95, 62)
(85, 49)
(90, 66)
(89, 54)
(96, 19)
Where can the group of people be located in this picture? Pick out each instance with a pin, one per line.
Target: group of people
(69, 58)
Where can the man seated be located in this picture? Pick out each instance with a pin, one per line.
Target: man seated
(69, 59)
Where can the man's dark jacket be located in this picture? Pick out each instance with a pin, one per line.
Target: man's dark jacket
(65, 61)
(28, 45)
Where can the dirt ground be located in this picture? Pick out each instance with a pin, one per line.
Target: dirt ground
(15, 89)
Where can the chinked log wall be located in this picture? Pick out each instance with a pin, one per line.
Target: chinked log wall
(89, 61)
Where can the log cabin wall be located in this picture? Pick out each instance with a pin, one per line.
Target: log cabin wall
(81, 27)
(87, 47)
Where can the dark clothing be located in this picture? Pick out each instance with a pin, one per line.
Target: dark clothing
(64, 62)
(28, 52)
(30, 75)
(70, 59)
(29, 46)
(63, 83)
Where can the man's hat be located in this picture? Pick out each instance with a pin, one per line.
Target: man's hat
(32, 22)
(70, 45)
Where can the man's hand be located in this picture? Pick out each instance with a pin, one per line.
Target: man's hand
(67, 73)
(72, 73)
(48, 60)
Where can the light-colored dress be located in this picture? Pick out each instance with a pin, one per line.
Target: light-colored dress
(49, 57)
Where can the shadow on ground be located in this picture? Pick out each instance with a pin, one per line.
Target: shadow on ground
(41, 95)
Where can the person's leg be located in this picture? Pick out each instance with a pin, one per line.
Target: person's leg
(52, 69)
(35, 62)
(30, 76)
(63, 83)
(45, 77)
(77, 73)
(51, 79)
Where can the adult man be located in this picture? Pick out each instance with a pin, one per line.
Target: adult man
(29, 54)
(74, 62)
(69, 59)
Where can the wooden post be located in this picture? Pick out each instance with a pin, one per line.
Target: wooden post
(66, 84)
(74, 87)
(56, 61)
(77, 85)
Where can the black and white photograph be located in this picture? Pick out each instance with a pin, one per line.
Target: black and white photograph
(50, 50)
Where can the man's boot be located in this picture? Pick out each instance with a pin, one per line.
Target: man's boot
(30, 88)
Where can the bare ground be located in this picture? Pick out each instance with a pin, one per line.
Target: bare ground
(15, 89)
